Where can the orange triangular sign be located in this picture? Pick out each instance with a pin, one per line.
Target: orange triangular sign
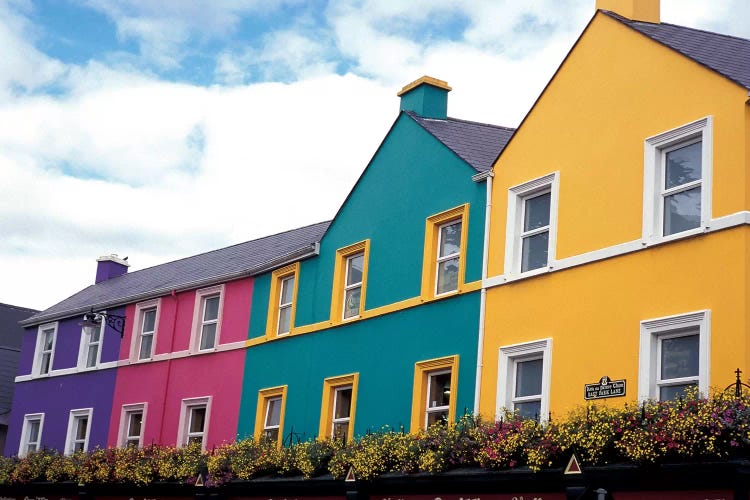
(199, 480)
(350, 475)
(573, 466)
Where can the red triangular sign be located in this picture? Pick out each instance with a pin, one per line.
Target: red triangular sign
(199, 480)
(350, 475)
(573, 466)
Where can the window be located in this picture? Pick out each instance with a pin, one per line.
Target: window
(45, 349)
(31, 434)
(132, 425)
(269, 417)
(350, 282)
(524, 379)
(194, 421)
(678, 171)
(434, 398)
(91, 341)
(145, 330)
(532, 225)
(338, 407)
(674, 354)
(282, 300)
(444, 247)
(207, 318)
(79, 425)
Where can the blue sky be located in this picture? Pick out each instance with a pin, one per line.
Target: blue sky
(157, 130)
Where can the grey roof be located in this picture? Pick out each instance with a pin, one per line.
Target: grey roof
(724, 54)
(243, 259)
(478, 144)
(10, 332)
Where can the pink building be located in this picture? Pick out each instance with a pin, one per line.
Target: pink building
(181, 363)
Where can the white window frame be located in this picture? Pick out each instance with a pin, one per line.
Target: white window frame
(439, 259)
(39, 352)
(136, 335)
(277, 427)
(283, 306)
(435, 409)
(342, 420)
(198, 317)
(23, 447)
(83, 353)
(128, 410)
(517, 195)
(183, 432)
(70, 439)
(347, 287)
(654, 152)
(508, 357)
(653, 330)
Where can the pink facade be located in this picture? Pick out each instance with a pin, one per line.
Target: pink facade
(181, 365)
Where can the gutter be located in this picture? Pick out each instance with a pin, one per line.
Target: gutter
(308, 251)
(487, 176)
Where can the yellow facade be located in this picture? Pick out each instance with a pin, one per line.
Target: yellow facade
(616, 89)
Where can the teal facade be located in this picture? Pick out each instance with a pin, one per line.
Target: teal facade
(412, 176)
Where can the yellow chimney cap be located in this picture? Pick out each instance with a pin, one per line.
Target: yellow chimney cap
(429, 81)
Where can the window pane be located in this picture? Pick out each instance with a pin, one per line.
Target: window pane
(529, 409)
(145, 351)
(440, 390)
(48, 340)
(450, 239)
(95, 334)
(536, 212)
(134, 424)
(197, 419)
(340, 430)
(679, 357)
(354, 267)
(149, 320)
(285, 319)
(351, 302)
(81, 425)
(208, 336)
(91, 356)
(534, 252)
(44, 368)
(683, 166)
(437, 416)
(33, 431)
(447, 276)
(529, 378)
(211, 309)
(287, 290)
(273, 412)
(682, 211)
(343, 403)
(272, 434)
(673, 391)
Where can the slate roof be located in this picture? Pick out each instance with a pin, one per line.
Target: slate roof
(10, 332)
(478, 144)
(243, 259)
(724, 54)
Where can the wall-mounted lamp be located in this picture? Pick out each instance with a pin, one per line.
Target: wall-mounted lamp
(94, 320)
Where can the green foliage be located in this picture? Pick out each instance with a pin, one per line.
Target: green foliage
(692, 428)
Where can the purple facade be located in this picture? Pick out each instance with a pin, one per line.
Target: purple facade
(69, 385)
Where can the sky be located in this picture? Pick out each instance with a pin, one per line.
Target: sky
(162, 129)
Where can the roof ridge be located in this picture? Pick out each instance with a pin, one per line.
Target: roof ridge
(451, 118)
(715, 33)
(215, 250)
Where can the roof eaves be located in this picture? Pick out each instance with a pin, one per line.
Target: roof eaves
(305, 252)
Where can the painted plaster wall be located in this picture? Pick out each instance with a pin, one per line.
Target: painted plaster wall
(163, 384)
(56, 397)
(383, 350)
(616, 89)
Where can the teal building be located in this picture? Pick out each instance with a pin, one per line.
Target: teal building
(380, 328)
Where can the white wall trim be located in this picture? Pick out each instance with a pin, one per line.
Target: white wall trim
(721, 223)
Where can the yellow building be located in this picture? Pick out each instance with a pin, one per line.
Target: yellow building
(619, 237)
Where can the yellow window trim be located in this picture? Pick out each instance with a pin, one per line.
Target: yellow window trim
(339, 274)
(422, 369)
(272, 323)
(260, 414)
(429, 260)
(326, 408)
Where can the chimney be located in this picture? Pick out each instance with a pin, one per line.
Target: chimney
(635, 10)
(110, 266)
(427, 97)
